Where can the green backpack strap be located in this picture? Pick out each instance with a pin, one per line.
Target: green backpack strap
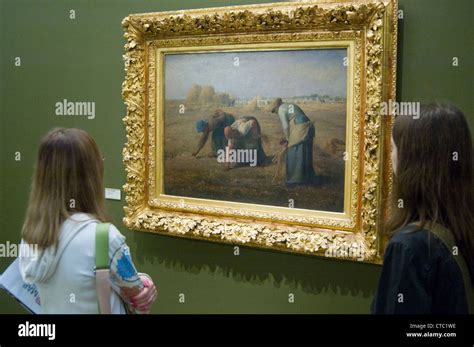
(102, 246)
(448, 239)
(102, 267)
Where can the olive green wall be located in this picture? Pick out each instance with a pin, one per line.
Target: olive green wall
(81, 59)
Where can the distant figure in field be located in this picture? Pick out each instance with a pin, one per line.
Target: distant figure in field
(215, 125)
(298, 143)
(245, 134)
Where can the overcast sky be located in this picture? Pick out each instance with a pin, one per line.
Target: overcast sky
(268, 74)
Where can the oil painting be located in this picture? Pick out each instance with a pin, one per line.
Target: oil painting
(260, 127)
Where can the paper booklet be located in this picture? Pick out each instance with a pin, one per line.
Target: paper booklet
(26, 294)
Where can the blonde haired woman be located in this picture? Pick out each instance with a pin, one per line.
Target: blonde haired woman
(65, 206)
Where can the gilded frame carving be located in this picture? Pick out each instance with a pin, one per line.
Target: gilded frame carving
(366, 27)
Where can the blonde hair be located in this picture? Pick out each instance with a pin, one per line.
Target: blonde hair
(68, 178)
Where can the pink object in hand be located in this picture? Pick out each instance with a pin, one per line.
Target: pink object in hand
(146, 282)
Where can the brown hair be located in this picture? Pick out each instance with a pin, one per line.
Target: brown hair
(434, 175)
(68, 178)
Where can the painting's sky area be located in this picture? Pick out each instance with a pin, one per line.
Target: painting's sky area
(268, 74)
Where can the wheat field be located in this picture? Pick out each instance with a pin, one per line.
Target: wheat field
(204, 177)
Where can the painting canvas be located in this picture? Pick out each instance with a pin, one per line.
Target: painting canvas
(264, 127)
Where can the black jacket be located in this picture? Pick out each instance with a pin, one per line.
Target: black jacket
(420, 276)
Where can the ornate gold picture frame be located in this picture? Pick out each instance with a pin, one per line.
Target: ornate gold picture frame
(364, 30)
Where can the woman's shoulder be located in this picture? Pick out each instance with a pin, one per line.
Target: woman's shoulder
(115, 235)
(420, 246)
(89, 223)
(410, 237)
(418, 242)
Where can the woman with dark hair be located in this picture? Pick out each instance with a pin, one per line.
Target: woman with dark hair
(429, 261)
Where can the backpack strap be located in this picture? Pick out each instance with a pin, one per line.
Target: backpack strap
(448, 239)
(102, 273)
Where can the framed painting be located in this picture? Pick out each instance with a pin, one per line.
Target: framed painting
(260, 125)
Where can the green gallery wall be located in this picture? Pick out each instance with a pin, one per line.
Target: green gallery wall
(81, 59)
